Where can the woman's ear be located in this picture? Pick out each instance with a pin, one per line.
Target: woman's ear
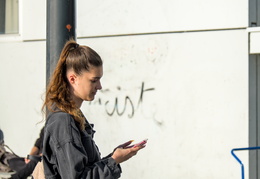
(71, 78)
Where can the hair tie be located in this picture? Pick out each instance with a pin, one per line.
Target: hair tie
(74, 47)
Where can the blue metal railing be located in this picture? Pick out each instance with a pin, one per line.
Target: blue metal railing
(239, 161)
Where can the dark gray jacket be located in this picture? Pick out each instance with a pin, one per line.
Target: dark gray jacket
(70, 153)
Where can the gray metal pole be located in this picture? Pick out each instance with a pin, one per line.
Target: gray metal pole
(2, 16)
(61, 26)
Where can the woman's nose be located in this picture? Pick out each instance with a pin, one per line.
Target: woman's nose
(99, 86)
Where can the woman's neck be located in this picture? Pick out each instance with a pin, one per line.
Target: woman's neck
(78, 102)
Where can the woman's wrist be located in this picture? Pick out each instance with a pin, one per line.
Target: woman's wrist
(115, 159)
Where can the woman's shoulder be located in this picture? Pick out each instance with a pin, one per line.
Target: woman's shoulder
(58, 114)
(59, 121)
(58, 117)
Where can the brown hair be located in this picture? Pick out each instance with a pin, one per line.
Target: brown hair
(78, 58)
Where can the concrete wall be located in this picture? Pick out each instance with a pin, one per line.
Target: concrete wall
(181, 68)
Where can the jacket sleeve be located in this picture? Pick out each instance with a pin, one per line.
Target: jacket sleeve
(74, 164)
(65, 155)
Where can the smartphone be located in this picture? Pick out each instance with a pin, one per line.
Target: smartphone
(142, 143)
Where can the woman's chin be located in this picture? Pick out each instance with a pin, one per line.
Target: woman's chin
(90, 98)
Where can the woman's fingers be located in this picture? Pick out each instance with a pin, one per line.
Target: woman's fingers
(120, 154)
(124, 145)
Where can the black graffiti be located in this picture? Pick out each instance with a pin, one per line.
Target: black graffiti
(128, 104)
(116, 107)
(127, 101)
(142, 93)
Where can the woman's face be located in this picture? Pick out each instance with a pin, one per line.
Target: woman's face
(85, 86)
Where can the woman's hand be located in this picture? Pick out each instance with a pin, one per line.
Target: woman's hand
(26, 160)
(122, 154)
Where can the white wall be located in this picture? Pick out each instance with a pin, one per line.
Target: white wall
(22, 85)
(196, 113)
(194, 107)
(99, 17)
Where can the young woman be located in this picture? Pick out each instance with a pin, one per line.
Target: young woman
(69, 151)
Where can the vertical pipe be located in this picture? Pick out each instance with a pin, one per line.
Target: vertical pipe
(61, 26)
(2, 16)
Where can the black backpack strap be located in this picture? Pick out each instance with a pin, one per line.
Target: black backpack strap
(10, 150)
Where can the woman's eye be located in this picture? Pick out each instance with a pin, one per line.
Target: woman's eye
(93, 81)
